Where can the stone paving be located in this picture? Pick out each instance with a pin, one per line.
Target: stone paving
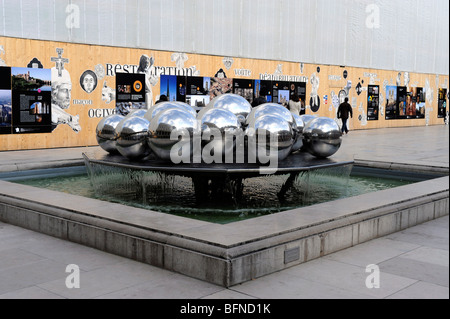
(413, 263)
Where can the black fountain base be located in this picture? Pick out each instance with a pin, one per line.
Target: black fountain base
(212, 179)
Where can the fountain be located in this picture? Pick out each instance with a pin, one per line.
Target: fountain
(220, 149)
(244, 249)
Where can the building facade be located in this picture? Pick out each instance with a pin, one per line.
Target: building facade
(376, 53)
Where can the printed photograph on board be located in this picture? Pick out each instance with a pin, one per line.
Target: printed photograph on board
(220, 85)
(373, 100)
(262, 92)
(420, 102)
(29, 79)
(402, 100)
(5, 101)
(198, 91)
(31, 100)
(244, 88)
(391, 102)
(130, 88)
(168, 88)
(442, 103)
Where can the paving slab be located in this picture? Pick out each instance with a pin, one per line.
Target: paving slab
(373, 252)
(349, 277)
(416, 270)
(285, 285)
(422, 290)
(33, 292)
(31, 274)
(413, 262)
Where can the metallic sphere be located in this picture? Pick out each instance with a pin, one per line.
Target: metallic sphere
(322, 137)
(271, 108)
(306, 118)
(177, 122)
(203, 111)
(267, 127)
(186, 107)
(220, 119)
(212, 101)
(160, 107)
(137, 112)
(106, 132)
(215, 125)
(298, 131)
(132, 133)
(238, 105)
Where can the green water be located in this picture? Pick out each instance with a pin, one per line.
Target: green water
(175, 195)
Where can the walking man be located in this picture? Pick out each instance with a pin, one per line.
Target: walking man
(344, 110)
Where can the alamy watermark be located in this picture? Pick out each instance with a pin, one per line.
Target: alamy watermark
(234, 146)
(373, 279)
(373, 16)
(73, 16)
(73, 279)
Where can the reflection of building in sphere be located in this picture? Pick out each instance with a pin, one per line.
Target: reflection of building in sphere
(322, 137)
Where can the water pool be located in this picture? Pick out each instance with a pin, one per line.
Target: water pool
(175, 195)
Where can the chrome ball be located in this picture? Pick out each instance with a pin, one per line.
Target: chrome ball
(163, 106)
(238, 105)
(186, 107)
(137, 112)
(298, 132)
(271, 109)
(322, 137)
(211, 102)
(170, 131)
(219, 127)
(132, 133)
(203, 111)
(306, 118)
(265, 129)
(106, 132)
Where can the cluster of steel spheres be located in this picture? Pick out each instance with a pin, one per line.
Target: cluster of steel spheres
(143, 132)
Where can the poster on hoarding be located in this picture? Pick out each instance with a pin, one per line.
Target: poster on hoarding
(31, 100)
(442, 103)
(373, 100)
(244, 88)
(130, 92)
(391, 102)
(5, 101)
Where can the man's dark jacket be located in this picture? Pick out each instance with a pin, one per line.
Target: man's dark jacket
(344, 110)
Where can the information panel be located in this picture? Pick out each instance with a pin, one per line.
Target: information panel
(300, 89)
(419, 98)
(442, 103)
(244, 88)
(280, 92)
(263, 88)
(31, 100)
(198, 91)
(373, 100)
(5, 101)
(130, 88)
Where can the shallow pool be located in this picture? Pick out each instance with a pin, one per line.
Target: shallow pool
(175, 195)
